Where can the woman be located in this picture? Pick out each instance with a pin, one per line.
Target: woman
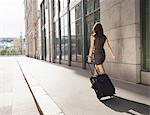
(98, 41)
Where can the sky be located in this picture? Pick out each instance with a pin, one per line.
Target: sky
(11, 18)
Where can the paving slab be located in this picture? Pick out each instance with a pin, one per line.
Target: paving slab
(70, 89)
(44, 102)
(15, 97)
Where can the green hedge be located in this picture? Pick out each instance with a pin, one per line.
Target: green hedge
(8, 51)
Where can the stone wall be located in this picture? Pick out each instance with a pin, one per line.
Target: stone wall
(121, 23)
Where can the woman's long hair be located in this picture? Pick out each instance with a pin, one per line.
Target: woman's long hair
(97, 30)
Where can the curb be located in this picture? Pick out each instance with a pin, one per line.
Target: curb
(44, 103)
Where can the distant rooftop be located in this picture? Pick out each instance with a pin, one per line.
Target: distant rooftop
(6, 39)
(6, 42)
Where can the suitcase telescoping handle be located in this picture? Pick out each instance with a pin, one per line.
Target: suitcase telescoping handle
(92, 71)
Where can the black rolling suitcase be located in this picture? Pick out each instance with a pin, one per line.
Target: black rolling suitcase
(101, 84)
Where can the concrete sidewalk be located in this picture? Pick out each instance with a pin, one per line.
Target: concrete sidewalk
(70, 90)
(15, 96)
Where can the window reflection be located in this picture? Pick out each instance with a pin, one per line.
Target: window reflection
(96, 4)
(78, 11)
(73, 31)
(76, 28)
(64, 37)
(55, 7)
(90, 23)
(145, 14)
(56, 34)
(92, 16)
(65, 20)
(72, 0)
(79, 41)
(62, 44)
(72, 15)
(89, 6)
(73, 41)
(97, 16)
(66, 43)
(63, 4)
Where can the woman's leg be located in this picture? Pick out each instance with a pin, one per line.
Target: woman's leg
(100, 69)
(95, 71)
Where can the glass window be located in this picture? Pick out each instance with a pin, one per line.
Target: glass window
(78, 27)
(66, 32)
(62, 21)
(73, 35)
(73, 31)
(66, 43)
(93, 15)
(96, 4)
(72, 15)
(90, 23)
(73, 41)
(65, 3)
(64, 37)
(79, 48)
(79, 40)
(97, 16)
(62, 44)
(72, 0)
(79, 43)
(55, 7)
(56, 10)
(61, 4)
(145, 34)
(65, 20)
(55, 2)
(78, 11)
(89, 6)
(56, 40)
(76, 34)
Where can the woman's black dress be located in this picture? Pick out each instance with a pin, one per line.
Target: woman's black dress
(99, 53)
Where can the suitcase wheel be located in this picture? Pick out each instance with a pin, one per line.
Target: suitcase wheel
(112, 96)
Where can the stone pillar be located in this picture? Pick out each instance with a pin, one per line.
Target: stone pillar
(121, 23)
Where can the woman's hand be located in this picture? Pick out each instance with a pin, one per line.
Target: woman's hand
(109, 48)
(113, 57)
(89, 59)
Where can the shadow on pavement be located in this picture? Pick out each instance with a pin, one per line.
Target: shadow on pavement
(123, 105)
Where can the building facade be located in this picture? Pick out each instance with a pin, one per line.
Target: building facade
(65, 29)
(19, 45)
(127, 25)
(31, 28)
